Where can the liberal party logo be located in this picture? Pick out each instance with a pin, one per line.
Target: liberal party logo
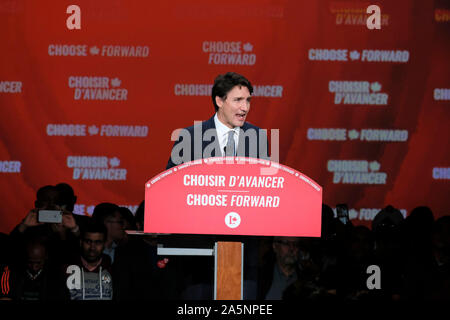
(232, 220)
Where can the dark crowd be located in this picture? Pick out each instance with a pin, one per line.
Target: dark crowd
(93, 258)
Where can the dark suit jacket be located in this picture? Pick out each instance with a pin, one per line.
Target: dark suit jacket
(200, 141)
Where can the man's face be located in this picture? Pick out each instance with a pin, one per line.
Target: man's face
(233, 109)
(286, 250)
(36, 258)
(92, 245)
(115, 225)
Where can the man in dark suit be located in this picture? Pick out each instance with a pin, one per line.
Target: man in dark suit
(226, 133)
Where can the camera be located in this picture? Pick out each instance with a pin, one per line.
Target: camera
(50, 216)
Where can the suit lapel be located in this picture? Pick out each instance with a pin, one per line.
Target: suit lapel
(210, 141)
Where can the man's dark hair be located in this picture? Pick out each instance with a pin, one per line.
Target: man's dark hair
(225, 82)
(66, 196)
(93, 227)
(43, 193)
(442, 225)
(104, 210)
(127, 215)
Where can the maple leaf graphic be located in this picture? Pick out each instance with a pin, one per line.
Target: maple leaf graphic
(114, 162)
(93, 130)
(353, 134)
(115, 82)
(375, 86)
(94, 50)
(248, 47)
(374, 166)
(354, 55)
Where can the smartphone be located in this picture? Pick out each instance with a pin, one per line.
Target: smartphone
(342, 213)
(50, 216)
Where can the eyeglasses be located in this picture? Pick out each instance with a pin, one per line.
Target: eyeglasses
(89, 242)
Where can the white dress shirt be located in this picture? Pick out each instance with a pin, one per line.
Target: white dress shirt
(222, 134)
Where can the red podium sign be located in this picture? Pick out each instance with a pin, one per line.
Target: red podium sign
(233, 196)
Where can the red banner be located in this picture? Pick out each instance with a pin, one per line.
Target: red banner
(364, 112)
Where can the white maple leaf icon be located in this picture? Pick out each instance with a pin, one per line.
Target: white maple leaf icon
(94, 50)
(248, 47)
(115, 82)
(93, 130)
(354, 55)
(374, 166)
(353, 134)
(114, 162)
(352, 214)
(375, 86)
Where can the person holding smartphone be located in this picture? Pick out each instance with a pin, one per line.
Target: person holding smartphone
(62, 236)
(49, 215)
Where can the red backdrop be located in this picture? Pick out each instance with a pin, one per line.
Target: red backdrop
(146, 65)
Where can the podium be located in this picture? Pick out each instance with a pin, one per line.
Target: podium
(228, 261)
(228, 266)
(225, 197)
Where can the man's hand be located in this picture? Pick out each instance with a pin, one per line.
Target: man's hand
(68, 221)
(30, 220)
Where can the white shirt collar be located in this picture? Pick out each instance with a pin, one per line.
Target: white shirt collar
(223, 129)
(222, 132)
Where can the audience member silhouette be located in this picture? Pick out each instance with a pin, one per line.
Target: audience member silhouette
(280, 268)
(128, 218)
(88, 276)
(357, 256)
(61, 238)
(143, 275)
(6, 262)
(428, 274)
(67, 199)
(417, 230)
(109, 215)
(80, 257)
(390, 255)
(36, 278)
(139, 216)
